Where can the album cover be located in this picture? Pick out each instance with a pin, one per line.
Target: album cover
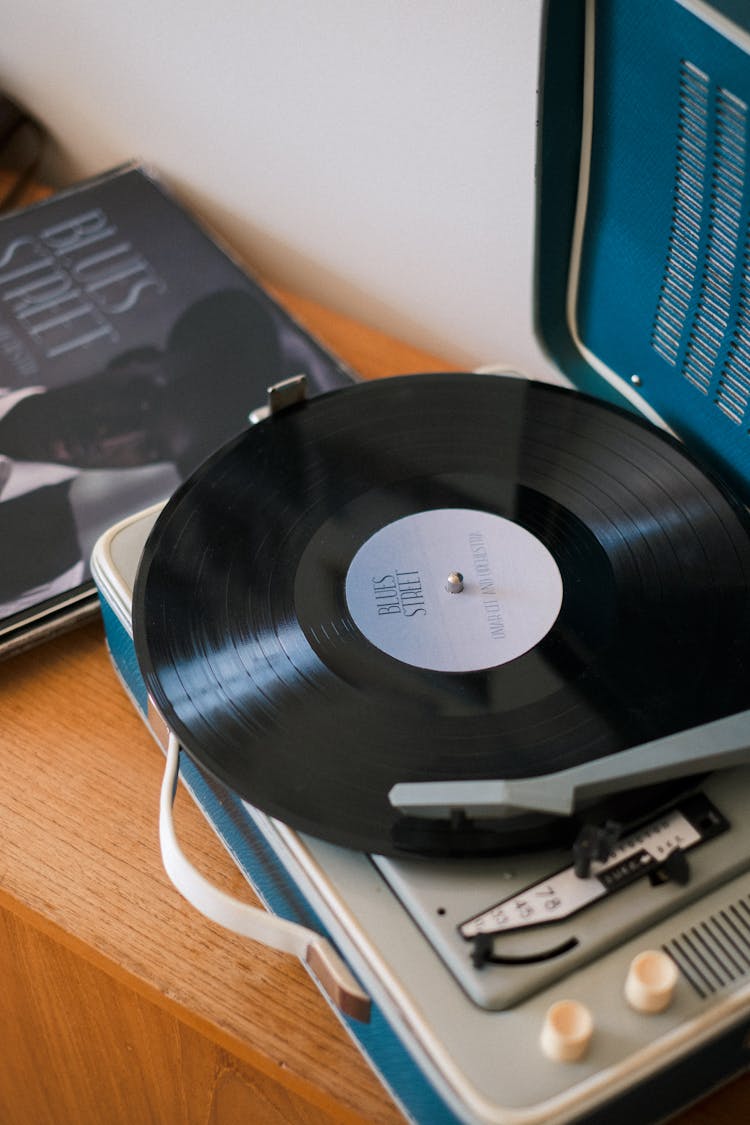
(131, 347)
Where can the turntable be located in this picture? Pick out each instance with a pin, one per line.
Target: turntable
(457, 665)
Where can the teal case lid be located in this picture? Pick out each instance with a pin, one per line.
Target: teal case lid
(643, 280)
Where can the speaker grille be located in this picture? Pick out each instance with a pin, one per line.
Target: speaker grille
(716, 951)
(701, 325)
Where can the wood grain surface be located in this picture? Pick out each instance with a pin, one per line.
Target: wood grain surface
(120, 1005)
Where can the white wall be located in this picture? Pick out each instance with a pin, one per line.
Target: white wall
(377, 155)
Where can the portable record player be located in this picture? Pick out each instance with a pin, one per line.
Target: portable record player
(459, 663)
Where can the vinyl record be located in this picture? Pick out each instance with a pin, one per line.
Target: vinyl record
(438, 577)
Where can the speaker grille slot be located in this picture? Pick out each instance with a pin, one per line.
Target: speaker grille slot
(716, 951)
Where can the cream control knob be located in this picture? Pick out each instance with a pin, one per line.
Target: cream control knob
(567, 1030)
(651, 981)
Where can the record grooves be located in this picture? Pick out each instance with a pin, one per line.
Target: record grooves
(251, 605)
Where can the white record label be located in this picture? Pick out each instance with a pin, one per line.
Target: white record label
(402, 596)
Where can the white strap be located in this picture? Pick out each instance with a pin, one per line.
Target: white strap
(246, 920)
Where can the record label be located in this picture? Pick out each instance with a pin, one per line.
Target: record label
(454, 590)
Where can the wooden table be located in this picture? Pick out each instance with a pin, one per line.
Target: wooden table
(119, 1004)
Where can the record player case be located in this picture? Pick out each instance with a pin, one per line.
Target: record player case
(643, 291)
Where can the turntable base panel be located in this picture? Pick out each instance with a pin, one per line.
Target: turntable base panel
(439, 896)
(496, 1054)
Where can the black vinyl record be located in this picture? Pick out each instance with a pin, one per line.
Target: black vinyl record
(297, 628)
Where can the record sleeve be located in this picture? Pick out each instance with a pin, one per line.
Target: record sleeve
(131, 347)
